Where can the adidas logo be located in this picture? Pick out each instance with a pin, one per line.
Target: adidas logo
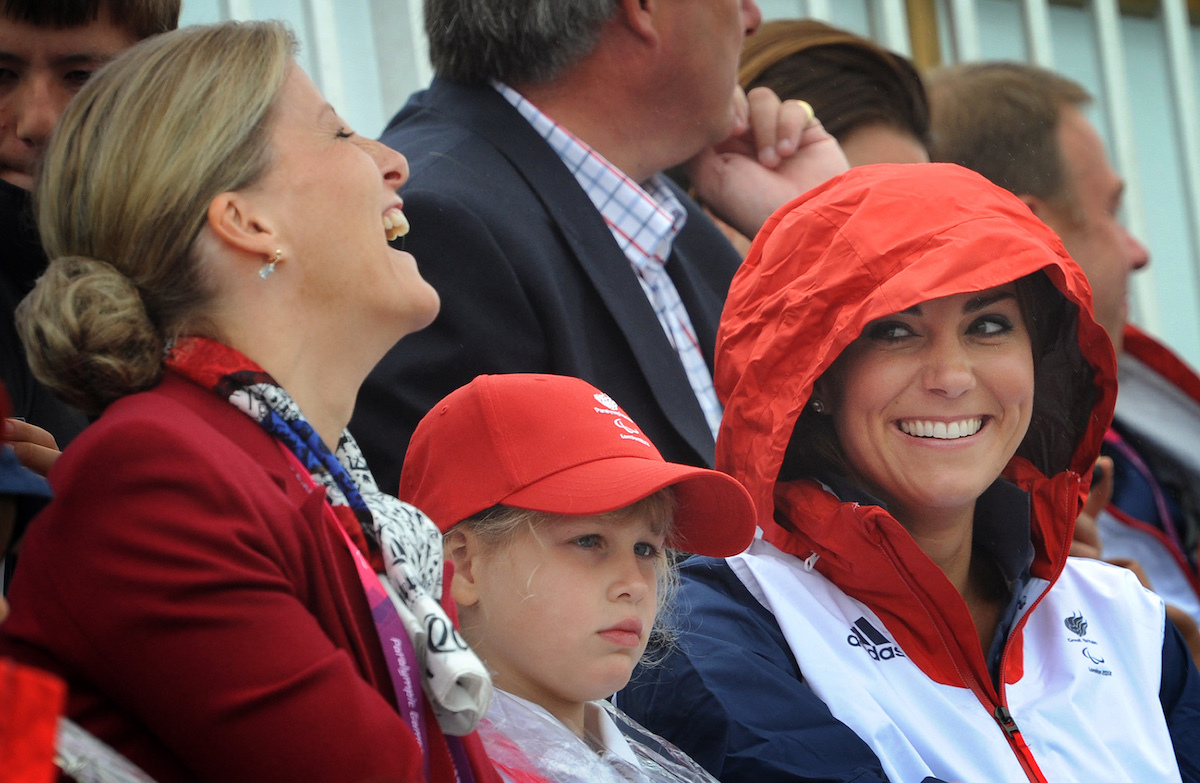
(872, 641)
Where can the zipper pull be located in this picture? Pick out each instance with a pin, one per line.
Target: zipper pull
(1005, 719)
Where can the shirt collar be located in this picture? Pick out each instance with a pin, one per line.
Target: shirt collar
(644, 219)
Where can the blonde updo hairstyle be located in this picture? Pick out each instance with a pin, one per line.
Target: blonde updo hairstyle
(124, 192)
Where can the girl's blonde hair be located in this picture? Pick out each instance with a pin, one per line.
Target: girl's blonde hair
(128, 177)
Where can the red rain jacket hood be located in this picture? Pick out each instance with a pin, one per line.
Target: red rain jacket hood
(870, 243)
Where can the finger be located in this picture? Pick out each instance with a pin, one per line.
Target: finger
(17, 431)
(1101, 491)
(39, 459)
(764, 124)
(795, 116)
(741, 110)
(1085, 541)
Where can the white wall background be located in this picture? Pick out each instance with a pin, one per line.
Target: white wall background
(368, 55)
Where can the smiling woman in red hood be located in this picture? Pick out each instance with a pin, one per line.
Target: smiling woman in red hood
(915, 392)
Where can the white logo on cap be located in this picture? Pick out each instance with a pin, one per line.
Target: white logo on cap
(612, 409)
(606, 401)
(623, 425)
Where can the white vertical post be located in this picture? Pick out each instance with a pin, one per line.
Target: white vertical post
(401, 49)
(1036, 16)
(964, 31)
(326, 57)
(236, 9)
(420, 43)
(817, 9)
(1187, 115)
(1120, 127)
(890, 22)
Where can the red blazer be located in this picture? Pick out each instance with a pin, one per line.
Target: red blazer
(206, 616)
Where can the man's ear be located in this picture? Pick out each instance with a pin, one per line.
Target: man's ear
(1056, 215)
(640, 17)
(1037, 205)
(462, 549)
(235, 221)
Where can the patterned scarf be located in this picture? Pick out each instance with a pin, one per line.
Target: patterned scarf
(453, 677)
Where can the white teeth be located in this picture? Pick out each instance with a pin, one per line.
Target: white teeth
(940, 429)
(394, 224)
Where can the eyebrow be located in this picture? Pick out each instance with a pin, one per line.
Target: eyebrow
(973, 305)
(80, 58)
(986, 300)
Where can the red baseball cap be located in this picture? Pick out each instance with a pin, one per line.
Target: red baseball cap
(558, 445)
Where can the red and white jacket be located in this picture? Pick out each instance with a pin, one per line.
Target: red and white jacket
(1072, 689)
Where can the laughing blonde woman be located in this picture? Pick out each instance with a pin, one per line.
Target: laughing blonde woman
(205, 579)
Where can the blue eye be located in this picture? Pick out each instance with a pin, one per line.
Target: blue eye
(646, 549)
(590, 541)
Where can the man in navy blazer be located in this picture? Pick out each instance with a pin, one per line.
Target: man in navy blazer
(532, 276)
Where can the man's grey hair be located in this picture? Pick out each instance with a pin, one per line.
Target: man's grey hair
(511, 41)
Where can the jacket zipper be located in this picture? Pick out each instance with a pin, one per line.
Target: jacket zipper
(1024, 754)
(1000, 713)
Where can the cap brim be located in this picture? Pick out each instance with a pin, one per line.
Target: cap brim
(714, 514)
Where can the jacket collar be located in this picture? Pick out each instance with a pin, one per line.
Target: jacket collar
(486, 114)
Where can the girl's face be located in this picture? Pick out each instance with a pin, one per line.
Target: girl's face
(562, 611)
(930, 404)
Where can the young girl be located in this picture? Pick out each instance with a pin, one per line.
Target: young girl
(557, 513)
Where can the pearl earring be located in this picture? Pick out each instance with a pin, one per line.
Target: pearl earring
(817, 406)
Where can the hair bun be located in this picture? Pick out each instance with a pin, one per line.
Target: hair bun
(87, 335)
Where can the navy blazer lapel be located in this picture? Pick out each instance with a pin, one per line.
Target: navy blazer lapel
(485, 112)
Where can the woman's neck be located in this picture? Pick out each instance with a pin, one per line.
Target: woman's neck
(945, 536)
(324, 384)
(948, 540)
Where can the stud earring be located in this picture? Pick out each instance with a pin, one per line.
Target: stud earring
(268, 268)
(817, 406)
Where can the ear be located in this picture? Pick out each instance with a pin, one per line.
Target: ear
(462, 549)
(825, 390)
(232, 216)
(1037, 205)
(640, 17)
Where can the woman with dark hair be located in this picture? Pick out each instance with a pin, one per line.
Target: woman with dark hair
(915, 392)
(868, 98)
(871, 100)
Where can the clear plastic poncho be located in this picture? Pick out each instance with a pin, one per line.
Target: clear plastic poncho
(528, 744)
